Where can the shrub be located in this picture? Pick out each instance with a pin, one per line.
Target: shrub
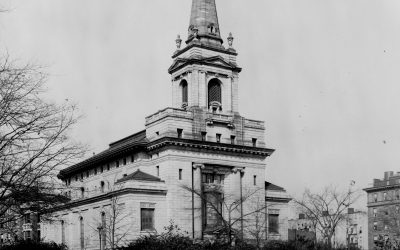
(31, 245)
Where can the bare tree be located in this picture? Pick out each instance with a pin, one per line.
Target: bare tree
(34, 142)
(258, 222)
(327, 209)
(226, 210)
(114, 225)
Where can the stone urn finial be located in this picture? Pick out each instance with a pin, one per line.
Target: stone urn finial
(178, 42)
(195, 33)
(230, 40)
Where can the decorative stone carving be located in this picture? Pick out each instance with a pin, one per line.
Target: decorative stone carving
(230, 40)
(195, 33)
(198, 165)
(238, 170)
(184, 105)
(178, 42)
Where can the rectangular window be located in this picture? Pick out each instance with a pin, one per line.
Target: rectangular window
(147, 219)
(233, 139)
(27, 218)
(27, 235)
(81, 176)
(101, 169)
(117, 163)
(213, 178)
(273, 223)
(375, 197)
(374, 212)
(76, 177)
(375, 226)
(158, 170)
(132, 158)
(218, 136)
(254, 141)
(180, 174)
(124, 161)
(87, 174)
(180, 132)
(108, 167)
(385, 196)
(157, 133)
(203, 136)
(255, 180)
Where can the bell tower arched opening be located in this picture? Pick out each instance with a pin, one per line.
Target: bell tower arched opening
(184, 89)
(214, 95)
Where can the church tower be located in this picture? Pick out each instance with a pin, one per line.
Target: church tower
(199, 149)
(203, 134)
(205, 73)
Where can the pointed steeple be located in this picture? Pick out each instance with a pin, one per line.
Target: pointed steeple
(204, 24)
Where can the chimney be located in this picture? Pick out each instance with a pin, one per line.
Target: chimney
(388, 174)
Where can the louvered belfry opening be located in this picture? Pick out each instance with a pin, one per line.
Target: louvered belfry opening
(214, 91)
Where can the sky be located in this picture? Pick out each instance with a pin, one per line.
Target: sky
(323, 75)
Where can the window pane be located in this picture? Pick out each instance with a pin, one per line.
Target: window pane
(147, 219)
(273, 222)
(214, 91)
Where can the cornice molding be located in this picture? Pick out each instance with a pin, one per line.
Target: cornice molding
(110, 195)
(180, 52)
(194, 145)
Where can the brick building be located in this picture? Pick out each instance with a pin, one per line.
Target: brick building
(384, 209)
(26, 227)
(200, 143)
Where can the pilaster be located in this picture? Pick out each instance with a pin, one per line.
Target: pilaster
(197, 204)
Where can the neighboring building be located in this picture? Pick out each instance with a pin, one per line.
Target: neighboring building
(356, 232)
(26, 227)
(301, 228)
(384, 209)
(201, 143)
(277, 209)
(350, 231)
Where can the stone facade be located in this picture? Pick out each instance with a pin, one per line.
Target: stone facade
(384, 209)
(158, 175)
(277, 200)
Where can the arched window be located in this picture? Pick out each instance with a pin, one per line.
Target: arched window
(104, 229)
(184, 87)
(62, 232)
(214, 92)
(82, 232)
(102, 186)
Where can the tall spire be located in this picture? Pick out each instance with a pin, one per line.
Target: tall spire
(204, 23)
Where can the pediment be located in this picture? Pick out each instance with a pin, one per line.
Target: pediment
(220, 61)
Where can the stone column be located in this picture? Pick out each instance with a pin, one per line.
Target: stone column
(238, 193)
(197, 204)
(193, 88)
(202, 89)
(235, 92)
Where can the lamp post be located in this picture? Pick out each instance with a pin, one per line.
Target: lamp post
(100, 229)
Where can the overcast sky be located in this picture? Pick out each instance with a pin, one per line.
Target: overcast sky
(323, 74)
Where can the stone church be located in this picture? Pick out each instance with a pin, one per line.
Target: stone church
(163, 174)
